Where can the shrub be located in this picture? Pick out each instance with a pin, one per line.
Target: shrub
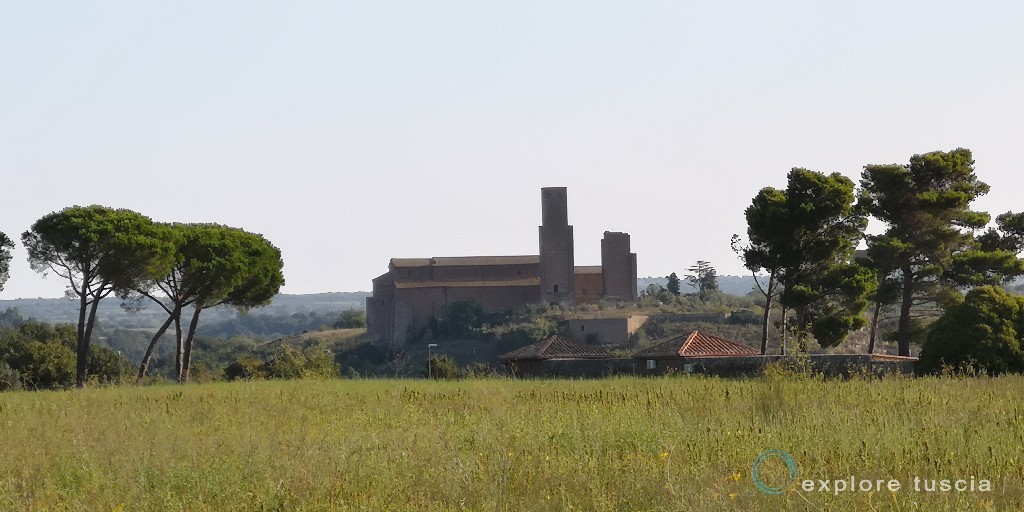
(320, 365)
(744, 316)
(983, 332)
(10, 379)
(107, 366)
(351, 319)
(479, 370)
(442, 367)
(246, 366)
(43, 356)
(458, 319)
(286, 364)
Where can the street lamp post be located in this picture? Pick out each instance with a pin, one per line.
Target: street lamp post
(430, 368)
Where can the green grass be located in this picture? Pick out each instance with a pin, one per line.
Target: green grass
(616, 444)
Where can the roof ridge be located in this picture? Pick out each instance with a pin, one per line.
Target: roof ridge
(689, 339)
(545, 343)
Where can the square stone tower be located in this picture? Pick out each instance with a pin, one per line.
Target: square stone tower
(618, 266)
(557, 278)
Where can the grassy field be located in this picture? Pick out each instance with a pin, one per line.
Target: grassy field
(617, 444)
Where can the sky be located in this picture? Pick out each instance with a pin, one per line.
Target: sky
(349, 133)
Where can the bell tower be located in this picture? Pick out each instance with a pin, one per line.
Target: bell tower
(556, 247)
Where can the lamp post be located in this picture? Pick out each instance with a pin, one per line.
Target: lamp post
(430, 368)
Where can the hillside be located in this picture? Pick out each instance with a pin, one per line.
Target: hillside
(732, 285)
(111, 315)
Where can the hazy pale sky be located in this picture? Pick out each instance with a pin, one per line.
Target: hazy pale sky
(349, 133)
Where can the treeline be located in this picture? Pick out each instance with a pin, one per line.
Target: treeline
(111, 314)
(36, 355)
(804, 238)
(276, 326)
(182, 269)
(258, 328)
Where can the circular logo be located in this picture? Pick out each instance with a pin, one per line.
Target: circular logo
(778, 454)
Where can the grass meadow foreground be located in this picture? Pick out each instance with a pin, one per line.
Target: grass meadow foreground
(616, 444)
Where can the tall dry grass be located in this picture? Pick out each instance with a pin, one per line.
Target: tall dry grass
(615, 444)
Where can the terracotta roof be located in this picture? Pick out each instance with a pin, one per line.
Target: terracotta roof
(558, 347)
(464, 261)
(592, 269)
(696, 344)
(526, 281)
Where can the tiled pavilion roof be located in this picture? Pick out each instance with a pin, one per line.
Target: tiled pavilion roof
(696, 344)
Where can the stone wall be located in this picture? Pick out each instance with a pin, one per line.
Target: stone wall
(831, 365)
(605, 331)
(571, 368)
(828, 364)
(589, 287)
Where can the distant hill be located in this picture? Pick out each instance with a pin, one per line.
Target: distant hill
(112, 314)
(733, 285)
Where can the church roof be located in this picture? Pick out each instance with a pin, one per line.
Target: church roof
(526, 281)
(558, 347)
(696, 344)
(464, 261)
(486, 260)
(410, 262)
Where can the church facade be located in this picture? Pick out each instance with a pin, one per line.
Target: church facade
(415, 289)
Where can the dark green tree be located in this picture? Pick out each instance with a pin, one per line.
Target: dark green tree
(207, 262)
(1008, 235)
(238, 269)
(929, 241)
(458, 319)
(98, 251)
(886, 292)
(442, 368)
(804, 238)
(820, 283)
(673, 284)
(704, 279)
(43, 356)
(983, 332)
(5, 259)
(350, 319)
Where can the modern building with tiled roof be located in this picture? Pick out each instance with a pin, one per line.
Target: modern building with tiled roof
(531, 359)
(674, 352)
(557, 347)
(697, 344)
(415, 289)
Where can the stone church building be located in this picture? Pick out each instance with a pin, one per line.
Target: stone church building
(414, 289)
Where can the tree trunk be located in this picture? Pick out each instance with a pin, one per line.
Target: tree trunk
(186, 360)
(152, 343)
(903, 329)
(767, 312)
(178, 348)
(83, 344)
(784, 330)
(874, 327)
(799, 316)
(80, 361)
(764, 324)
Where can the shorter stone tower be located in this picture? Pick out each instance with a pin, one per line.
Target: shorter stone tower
(618, 266)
